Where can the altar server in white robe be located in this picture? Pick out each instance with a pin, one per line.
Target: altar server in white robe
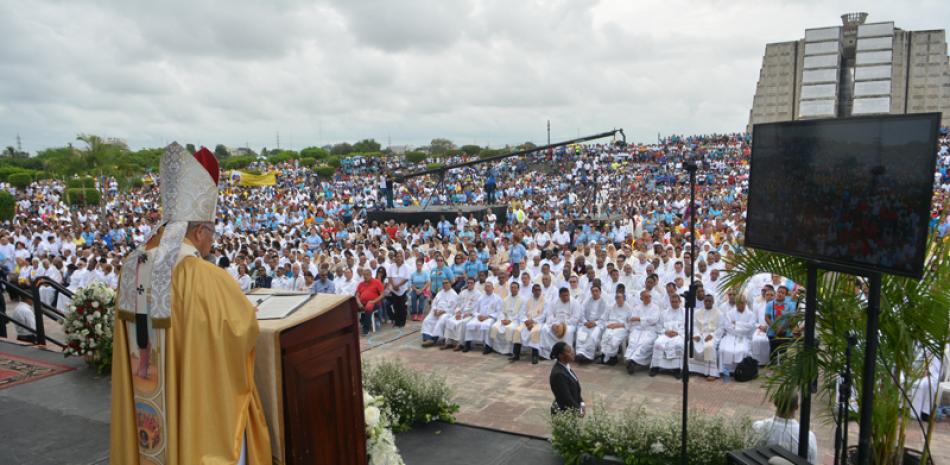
(668, 348)
(738, 325)
(590, 325)
(483, 317)
(560, 322)
(512, 311)
(760, 338)
(528, 333)
(455, 325)
(615, 321)
(643, 327)
(706, 335)
(923, 390)
(443, 307)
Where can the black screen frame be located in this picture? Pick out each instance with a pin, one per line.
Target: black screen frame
(842, 264)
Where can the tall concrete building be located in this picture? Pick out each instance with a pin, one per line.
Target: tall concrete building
(857, 68)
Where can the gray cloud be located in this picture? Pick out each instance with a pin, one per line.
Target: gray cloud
(482, 71)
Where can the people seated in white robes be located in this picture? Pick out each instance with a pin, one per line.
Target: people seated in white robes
(739, 325)
(509, 319)
(560, 322)
(615, 322)
(590, 326)
(668, 348)
(454, 333)
(484, 315)
(706, 335)
(643, 327)
(528, 333)
(443, 308)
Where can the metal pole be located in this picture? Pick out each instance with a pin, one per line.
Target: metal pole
(870, 357)
(38, 313)
(811, 297)
(3, 311)
(690, 305)
(549, 132)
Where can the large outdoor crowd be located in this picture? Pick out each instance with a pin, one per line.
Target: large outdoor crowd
(593, 250)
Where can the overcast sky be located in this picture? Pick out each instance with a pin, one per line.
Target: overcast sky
(475, 71)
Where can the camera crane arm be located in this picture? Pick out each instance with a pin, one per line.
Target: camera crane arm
(441, 171)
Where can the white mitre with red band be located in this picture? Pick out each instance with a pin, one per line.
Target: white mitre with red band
(189, 184)
(189, 192)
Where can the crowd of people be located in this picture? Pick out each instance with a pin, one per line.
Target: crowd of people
(593, 249)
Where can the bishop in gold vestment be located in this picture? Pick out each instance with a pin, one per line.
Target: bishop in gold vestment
(183, 388)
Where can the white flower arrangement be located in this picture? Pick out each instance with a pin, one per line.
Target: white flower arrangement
(89, 327)
(380, 442)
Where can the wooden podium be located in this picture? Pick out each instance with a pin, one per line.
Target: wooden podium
(307, 369)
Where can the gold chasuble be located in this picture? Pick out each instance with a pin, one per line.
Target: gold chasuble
(183, 388)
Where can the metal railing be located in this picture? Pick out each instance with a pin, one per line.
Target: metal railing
(40, 309)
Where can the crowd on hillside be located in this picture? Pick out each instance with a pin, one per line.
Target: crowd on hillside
(593, 249)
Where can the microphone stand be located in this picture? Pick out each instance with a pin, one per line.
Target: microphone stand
(691, 168)
(844, 398)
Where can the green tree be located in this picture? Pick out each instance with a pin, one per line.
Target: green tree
(440, 146)
(416, 157)
(342, 148)
(221, 152)
(367, 145)
(325, 171)
(471, 149)
(190, 148)
(334, 162)
(314, 152)
(20, 180)
(7, 206)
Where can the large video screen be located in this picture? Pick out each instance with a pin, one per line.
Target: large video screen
(854, 192)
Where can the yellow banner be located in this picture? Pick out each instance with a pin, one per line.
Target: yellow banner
(256, 180)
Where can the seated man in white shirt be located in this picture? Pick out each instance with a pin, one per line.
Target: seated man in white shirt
(782, 429)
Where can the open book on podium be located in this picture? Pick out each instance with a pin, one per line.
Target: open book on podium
(307, 370)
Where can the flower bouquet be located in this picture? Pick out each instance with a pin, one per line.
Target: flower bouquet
(380, 442)
(88, 326)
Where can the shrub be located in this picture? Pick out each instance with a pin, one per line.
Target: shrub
(7, 206)
(82, 197)
(308, 162)
(136, 183)
(435, 166)
(416, 157)
(334, 162)
(314, 152)
(236, 163)
(20, 180)
(6, 171)
(410, 396)
(81, 183)
(282, 156)
(325, 171)
(638, 436)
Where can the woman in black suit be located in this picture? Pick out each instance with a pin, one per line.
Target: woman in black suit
(564, 383)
